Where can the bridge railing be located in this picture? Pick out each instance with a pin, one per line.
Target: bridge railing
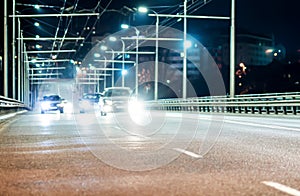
(275, 103)
(8, 105)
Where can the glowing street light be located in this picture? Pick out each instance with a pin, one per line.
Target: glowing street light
(124, 26)
(187, 44)
(143, 9)
(124, 72)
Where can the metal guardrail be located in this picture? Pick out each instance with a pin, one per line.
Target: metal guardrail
(8, 105)
(275, 103)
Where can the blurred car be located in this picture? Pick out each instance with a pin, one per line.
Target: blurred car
(52, 103)
(114, 99)
(88, 101)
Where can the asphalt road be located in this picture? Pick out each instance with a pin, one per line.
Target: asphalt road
(149, 154)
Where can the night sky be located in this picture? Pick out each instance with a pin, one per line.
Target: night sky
(267, 17)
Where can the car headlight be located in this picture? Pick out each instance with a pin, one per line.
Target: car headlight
(60, 105)
(45, 105)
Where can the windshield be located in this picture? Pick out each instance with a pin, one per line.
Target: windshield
(51, 98)
(117, 93)
(90, 96)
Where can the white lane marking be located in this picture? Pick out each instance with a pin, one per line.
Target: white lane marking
(7, 116)
(189, 153)
(254, 124)
(282, 188)
(116, 127)
(3, 117)
(261, 125)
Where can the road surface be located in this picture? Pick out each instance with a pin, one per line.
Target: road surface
(176, 154)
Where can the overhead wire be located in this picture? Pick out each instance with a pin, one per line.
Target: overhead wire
(97, 20)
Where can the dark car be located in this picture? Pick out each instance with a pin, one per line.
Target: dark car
(114, 99)
(52, 103)
(88, 101)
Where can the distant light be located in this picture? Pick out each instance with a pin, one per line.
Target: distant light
(279, 50)
(36, 24)
(182, 54)
(124, 26)
(103, 47)
(143, 9)
(92, 67)
(268, 51)
(275, 54)
(36, 6)
(112, 38)
(38, 46)
(187, 44)
(97, 55)
(179, 19)
(37, 36)
(124, 72)
(168, 81)
(72, 61)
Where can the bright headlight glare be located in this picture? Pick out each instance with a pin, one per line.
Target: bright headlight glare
(45, 105)
(135, 106)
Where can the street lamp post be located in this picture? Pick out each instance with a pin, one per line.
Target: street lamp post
(14, 53)
(184, 52)
(105, 63)
(144, 10)
(113, 39)
(232, 50)
(137, 62)
(137, 32)
(5, 67)
(123, 62)
(19, 61)
(113, 67)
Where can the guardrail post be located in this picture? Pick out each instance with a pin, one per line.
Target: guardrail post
(268, 110)
(276, 109)
(294, 110)
(284, 110)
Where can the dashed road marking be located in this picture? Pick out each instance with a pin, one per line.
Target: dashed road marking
(282, 188)
(189, 153)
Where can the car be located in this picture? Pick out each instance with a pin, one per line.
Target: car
(52, 102)
(114, 99)
(87, 101)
